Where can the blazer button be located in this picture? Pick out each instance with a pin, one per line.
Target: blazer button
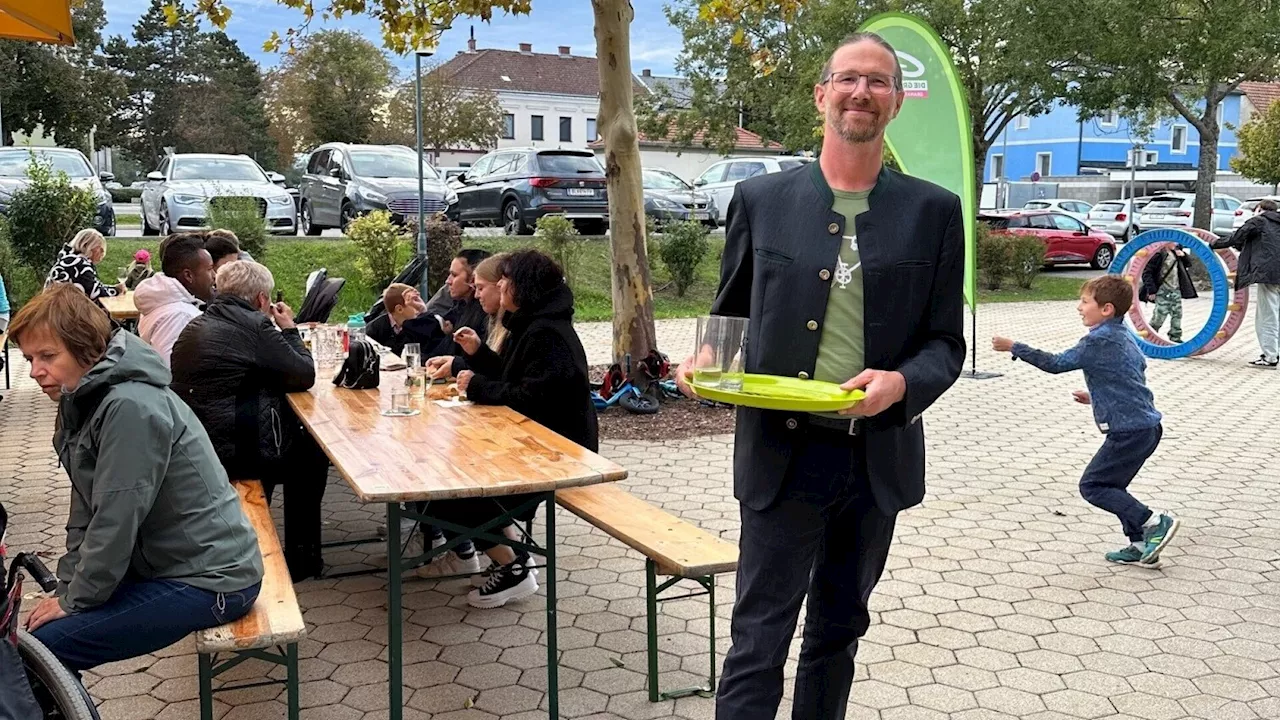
(812, 324)
(792, 424)
(834, 228)
(824, 274)
(803, 375)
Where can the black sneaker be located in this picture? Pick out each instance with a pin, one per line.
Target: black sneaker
(506, 583)
(1263, 362)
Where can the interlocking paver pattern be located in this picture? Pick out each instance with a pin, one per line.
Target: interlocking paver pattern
(995, 604)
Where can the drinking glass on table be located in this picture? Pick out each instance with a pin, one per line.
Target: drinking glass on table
(718, 352)
(415, 374)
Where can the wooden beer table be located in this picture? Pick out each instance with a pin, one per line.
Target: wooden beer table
(446, 453)
(121, 307)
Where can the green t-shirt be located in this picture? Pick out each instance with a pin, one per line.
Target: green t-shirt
(842, 350)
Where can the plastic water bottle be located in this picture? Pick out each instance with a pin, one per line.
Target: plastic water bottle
(355, 328)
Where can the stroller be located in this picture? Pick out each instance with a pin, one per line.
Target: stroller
(37, 685)
(322, 296)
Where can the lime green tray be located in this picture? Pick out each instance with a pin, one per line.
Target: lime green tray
(771, 392)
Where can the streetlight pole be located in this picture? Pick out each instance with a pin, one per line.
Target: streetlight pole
(424, 286)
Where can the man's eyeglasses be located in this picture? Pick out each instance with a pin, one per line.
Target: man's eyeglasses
(877, 84)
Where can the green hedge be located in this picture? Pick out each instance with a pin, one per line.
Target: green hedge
(124, 195)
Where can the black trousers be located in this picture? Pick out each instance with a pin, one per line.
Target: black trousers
(823, 539)
(304, 471)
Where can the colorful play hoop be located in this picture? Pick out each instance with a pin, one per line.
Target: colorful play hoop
(1225, 318)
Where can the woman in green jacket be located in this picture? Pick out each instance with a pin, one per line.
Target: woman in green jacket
(157, 546)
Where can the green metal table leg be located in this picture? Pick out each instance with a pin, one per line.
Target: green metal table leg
(291, 678)
(553, 655)
(206, 687)
(395, 686)
(651, 619)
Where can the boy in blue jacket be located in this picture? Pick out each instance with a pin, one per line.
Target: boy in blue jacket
(1123, 408)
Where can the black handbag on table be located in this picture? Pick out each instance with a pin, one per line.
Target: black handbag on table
(361, 368)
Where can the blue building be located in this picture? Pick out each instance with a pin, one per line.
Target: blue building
(1059, 144)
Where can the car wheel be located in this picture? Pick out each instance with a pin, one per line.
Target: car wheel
(1103, 257)
(308, 225)
(1128, 233)
(346, 216)
(165, 228)
(512, 220)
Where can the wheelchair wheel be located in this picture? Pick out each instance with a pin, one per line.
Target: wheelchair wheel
(58, 691)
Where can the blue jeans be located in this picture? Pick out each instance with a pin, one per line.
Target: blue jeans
(1106, 480)
(141, 617)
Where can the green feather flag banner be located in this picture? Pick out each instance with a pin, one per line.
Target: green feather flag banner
(932, 136)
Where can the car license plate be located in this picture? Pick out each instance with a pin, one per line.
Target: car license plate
(698, 215)
(582, 192)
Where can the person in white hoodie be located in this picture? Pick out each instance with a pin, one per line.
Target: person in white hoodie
(168, 301)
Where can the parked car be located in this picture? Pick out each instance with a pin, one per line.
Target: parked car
(1067, 240)
(513, 187)
(1178, 209)
(14, 162)
(1114, 218)
(179, 192)
(344, 181)
(451, 173)
(1248, 209)
(1077, 209)
(667, 198)
(719, 179)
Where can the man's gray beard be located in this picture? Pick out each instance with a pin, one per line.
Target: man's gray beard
(854, 135)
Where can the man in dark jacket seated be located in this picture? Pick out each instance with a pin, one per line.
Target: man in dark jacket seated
(414, 322)
(233, 367)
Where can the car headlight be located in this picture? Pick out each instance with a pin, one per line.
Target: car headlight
(450, 197)
(371, 196)
(183, 199)
(280, 199)
(666, 204)
(104, 197)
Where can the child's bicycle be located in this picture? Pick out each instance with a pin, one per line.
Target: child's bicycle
(39, 686)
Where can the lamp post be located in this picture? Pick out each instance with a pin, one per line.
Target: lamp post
(424, 286)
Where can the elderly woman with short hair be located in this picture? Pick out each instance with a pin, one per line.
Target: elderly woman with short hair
(77, 264)
(233, 367)
(157, 546)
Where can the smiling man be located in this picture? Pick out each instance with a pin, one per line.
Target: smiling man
(852, 273)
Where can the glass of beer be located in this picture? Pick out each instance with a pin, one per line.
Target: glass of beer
(718, 352)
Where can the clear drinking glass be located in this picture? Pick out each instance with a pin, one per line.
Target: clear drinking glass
(718, 352)
(399, 403)
(412, 356)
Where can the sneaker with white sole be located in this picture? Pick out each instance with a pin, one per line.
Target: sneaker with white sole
(1264, 362)
(482, 577)
(507, 583)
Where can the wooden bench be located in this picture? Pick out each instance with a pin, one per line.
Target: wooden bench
(273, 627)
(671, 547)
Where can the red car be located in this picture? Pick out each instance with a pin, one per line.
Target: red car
(1067, 240)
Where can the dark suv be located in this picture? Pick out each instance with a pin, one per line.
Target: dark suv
(513, 187)
(343, 182)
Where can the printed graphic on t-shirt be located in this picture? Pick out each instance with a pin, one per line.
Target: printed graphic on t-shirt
(844, 270)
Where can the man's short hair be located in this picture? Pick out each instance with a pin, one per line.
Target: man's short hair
(473, 256)
(65, 312)
(245, 279)
(179, 252)
(858, 37)
(1268, 206)
(221, 243)
(1114, 289)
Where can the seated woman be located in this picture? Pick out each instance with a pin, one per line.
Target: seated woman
(77, 264)
(485, 280)
(233, 365)
(157, 547)
(541, 373)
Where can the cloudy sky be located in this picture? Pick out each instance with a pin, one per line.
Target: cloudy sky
(654, 43)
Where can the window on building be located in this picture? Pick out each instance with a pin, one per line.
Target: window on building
(566, 129)
(1153, 157)
(997, 167)
(1044, 164)
(508, 126)
(592, 136)
(1178, 140)
(1110, 118)
(1222, 113)
(535, 127)
(1022, 122)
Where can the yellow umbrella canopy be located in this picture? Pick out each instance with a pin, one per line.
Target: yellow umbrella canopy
(47, 21)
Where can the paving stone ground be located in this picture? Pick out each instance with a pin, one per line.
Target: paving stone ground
(996, 603)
